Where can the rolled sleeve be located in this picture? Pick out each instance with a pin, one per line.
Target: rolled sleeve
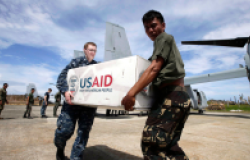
(162, 47)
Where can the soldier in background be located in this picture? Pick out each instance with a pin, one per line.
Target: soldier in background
(57, 103)
(30, 103)
(45, 103)
(3, 99)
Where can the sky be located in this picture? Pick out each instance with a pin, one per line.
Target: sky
(37, 38)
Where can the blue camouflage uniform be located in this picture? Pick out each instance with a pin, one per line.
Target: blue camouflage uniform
(70, 113)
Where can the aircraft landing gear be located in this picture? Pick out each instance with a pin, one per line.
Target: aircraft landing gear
(200, 111)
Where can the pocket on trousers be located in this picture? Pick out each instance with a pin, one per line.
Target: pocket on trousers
(155, 136)
(162, 139)
(60, 120)
(149, 134)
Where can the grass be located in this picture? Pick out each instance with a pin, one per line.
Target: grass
(243, 107)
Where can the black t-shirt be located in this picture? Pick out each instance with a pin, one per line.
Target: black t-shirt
(47, 96)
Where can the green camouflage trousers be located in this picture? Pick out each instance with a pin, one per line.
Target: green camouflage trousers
(164, 125)
(2, 107)
(28, 109)
(57, 104)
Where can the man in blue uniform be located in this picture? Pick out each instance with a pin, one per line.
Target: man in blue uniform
(45, 103)
(70, 113)
(170, 110)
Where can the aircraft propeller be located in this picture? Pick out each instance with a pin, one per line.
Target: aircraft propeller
(237, 42)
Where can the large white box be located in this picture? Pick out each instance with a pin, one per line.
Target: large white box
(104, 85)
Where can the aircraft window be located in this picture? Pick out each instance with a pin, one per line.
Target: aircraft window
(199, 98)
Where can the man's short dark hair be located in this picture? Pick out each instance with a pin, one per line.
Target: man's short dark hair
(32, 88)
(5, 84)
(89, 43)
(151, 14)
(50, 89)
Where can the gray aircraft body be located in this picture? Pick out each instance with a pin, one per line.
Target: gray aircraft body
(117, 46)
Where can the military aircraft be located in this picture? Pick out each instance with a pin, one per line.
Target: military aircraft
(117, 46)
(243, 71)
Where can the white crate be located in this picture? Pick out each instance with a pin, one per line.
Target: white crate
(104, 85)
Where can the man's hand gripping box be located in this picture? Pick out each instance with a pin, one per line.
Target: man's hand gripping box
(104, 85)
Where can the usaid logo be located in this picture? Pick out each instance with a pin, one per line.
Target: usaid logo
(101, 81)
(73, 84)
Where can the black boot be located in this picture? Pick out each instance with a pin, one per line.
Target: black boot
(60, 154)
(24, 116)
(44, 116)
(82, 156)
(29, 117)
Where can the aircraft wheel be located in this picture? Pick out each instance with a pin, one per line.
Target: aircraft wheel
(108, 112)
(200, 111)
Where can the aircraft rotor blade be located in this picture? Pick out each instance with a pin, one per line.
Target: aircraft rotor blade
(237, 42)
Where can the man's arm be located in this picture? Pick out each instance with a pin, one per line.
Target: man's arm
(0, 96)
(6, 98)
(147, 77)
(62, 84)
(28, 99)
(45, 99)
(56, 95)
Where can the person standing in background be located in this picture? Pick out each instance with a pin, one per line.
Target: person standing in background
(3, 99)
(57, 103)
(30, 103)
(45, 103)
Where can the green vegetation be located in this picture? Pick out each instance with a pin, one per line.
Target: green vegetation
(243, 107)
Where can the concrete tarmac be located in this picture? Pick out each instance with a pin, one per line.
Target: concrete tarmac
(212, 136)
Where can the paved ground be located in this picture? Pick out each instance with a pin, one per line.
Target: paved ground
(212, 136)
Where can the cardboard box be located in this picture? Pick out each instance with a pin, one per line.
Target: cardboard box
(105, 84)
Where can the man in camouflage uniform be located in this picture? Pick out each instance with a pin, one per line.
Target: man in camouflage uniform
(70, 113)
(171, 108)
(3, 99)
(57, 103)
(30, 103)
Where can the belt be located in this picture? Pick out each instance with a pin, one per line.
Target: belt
(178, 82)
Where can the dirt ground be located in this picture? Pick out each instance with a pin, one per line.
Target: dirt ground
(212, 136)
